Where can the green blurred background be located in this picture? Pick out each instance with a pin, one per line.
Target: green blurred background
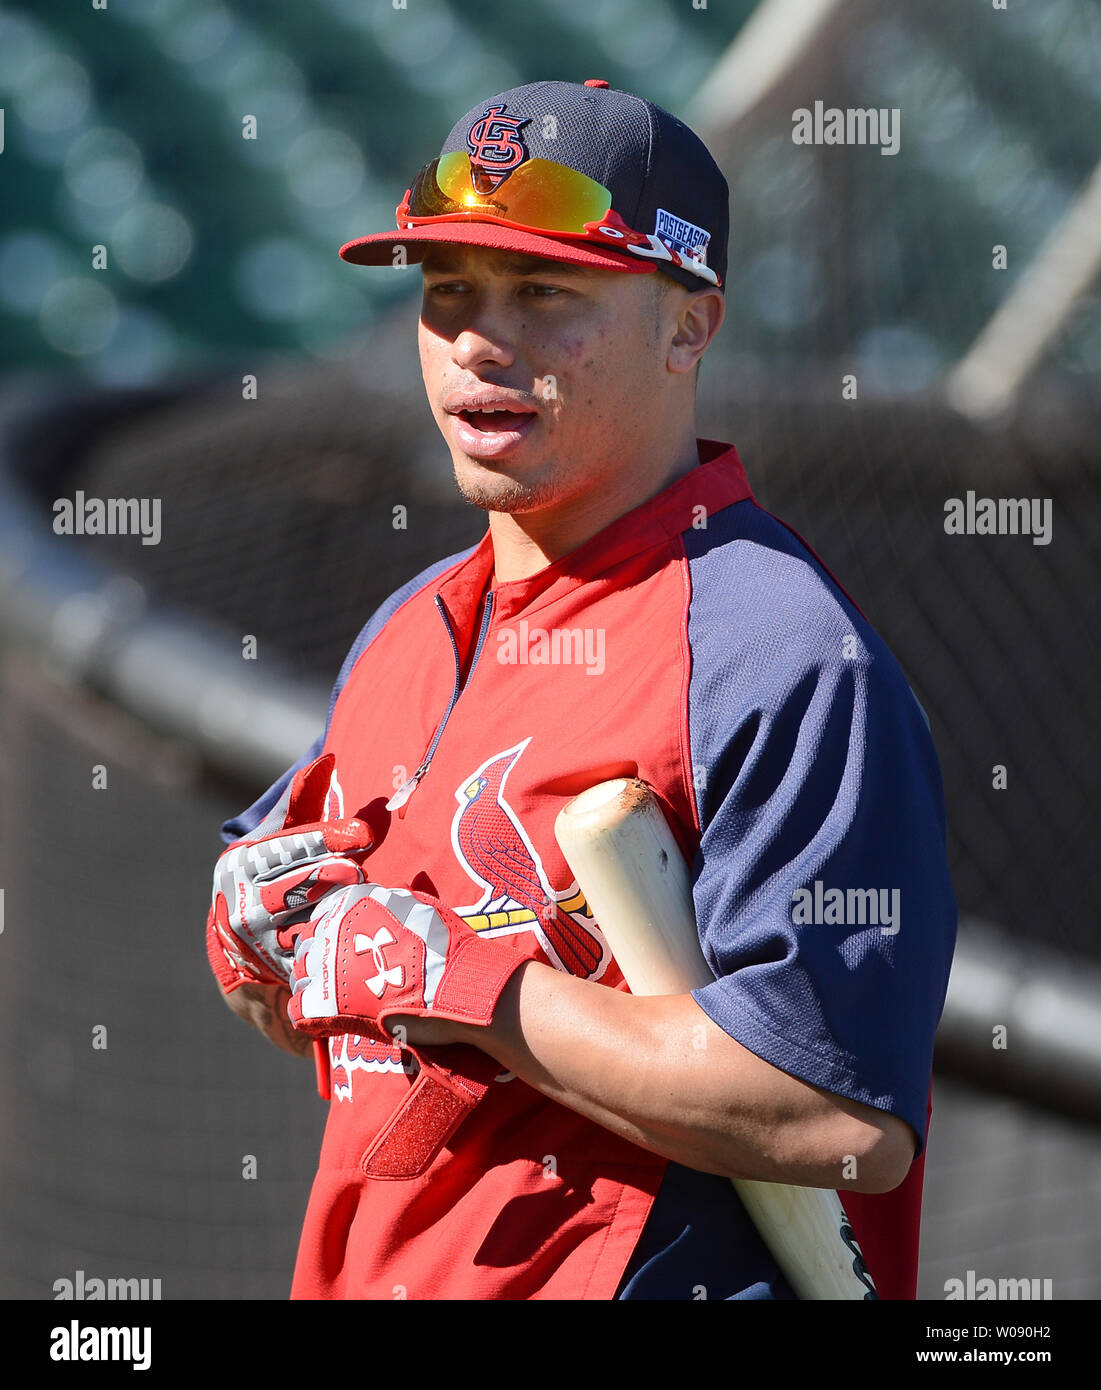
(124, 127)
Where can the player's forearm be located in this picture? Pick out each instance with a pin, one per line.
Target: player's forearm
(659, 1072)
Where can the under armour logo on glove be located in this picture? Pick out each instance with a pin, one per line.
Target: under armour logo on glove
(433, 963)
(267, 885)
(394, 975)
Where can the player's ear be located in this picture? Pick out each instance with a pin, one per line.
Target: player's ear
(700, 316)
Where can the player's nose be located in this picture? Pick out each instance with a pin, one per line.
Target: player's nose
(479, 344)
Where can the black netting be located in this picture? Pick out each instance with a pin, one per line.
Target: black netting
(279, 514)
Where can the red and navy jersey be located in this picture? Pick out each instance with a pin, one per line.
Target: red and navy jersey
(697, 643)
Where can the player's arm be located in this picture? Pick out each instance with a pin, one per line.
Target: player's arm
(387, 963)
(660, 1073)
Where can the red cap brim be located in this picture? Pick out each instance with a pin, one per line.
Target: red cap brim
(378, 249)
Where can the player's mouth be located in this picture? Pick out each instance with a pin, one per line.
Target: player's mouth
(489, 427)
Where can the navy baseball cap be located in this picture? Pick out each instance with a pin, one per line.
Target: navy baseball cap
(574, 172)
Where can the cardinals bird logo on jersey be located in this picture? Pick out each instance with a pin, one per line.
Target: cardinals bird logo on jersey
(494, 848)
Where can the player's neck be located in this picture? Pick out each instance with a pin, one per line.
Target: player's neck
(525, 543)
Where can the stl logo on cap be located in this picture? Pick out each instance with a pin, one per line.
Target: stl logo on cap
(495, 147)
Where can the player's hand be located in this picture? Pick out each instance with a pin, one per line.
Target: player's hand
(372, 958)
(266, 886)
(371, 954)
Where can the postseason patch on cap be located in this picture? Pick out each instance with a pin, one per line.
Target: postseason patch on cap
(683, 236)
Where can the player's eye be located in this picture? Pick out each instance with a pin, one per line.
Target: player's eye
(449, 289)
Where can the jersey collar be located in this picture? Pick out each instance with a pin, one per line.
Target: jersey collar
(718, 481)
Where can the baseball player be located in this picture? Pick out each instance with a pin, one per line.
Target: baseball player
(506, 1121)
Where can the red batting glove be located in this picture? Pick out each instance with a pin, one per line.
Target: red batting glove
(369, 952)
(267, 885)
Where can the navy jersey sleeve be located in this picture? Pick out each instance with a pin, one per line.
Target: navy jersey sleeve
(241, 825)
(821, 887)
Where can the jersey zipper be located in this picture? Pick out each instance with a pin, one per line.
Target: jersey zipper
(407, 788)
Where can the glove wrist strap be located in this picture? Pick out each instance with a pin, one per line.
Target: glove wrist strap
(438, 1102)
(477, 972)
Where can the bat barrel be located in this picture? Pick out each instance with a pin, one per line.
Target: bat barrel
(631, 870)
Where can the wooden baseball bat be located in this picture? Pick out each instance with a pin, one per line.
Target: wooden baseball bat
(621, 850)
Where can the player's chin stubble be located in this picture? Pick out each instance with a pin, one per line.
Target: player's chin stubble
(483, 486)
